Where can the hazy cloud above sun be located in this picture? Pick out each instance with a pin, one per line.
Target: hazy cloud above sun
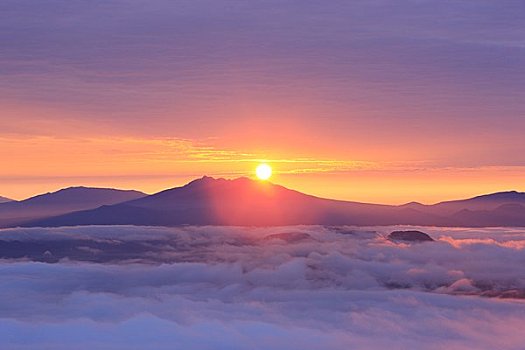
(409, 82)
(202, 64)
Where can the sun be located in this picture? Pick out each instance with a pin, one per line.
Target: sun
(263, 171)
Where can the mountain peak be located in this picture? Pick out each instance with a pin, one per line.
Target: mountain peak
(5, 199)
(412, 204)
(85, 193)
(63, 201)
(203, 180)
(87, 188)
(506, 195)
(208, 181)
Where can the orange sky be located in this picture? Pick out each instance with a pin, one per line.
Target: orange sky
(360, 100)
(39, 164)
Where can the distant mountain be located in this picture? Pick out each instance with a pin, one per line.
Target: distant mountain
(5, 200)
(505, 215)
(63, 201)
(209, 201)
(496, 209)
(245, 202)
(484, 202)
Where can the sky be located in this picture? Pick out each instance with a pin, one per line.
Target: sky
(375, 101)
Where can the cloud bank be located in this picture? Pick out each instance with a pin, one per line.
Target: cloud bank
(258, 288)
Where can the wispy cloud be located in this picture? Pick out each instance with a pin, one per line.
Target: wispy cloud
(150, 156)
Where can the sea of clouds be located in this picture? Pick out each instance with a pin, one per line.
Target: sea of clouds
(301, 287)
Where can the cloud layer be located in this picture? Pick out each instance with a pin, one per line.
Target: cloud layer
(238, 288)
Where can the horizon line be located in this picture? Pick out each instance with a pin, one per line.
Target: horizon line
(249, 178)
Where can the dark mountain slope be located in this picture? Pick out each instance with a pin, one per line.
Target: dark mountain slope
(5, 199)
(61, 202)
(242, 201)
(484, 202)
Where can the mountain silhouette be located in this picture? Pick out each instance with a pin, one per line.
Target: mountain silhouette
(496, 209)
(484, 202)
(60, 202)
(209, 201)
(246, 202)
(5, 199)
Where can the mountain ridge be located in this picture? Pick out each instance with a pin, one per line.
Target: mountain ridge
(246, 202)
(60, 202)
(5, 200)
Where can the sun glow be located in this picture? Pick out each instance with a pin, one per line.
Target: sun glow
(263, 171)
